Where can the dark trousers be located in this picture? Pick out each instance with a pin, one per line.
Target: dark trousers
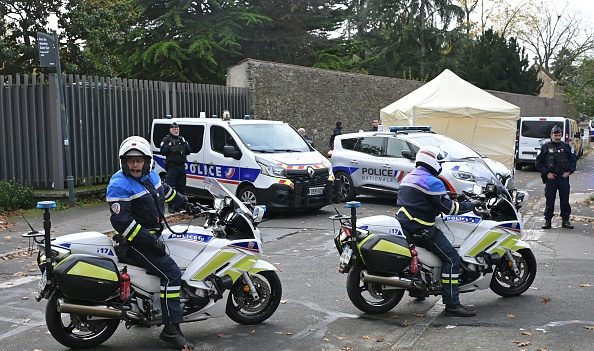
(551, 187)
(165, 268)
(176, 177)
(438, 244)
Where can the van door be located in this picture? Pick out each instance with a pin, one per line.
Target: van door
(225, 169)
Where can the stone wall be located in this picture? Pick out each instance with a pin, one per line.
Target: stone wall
(316, 98)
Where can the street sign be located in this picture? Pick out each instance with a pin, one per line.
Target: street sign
(47, 49)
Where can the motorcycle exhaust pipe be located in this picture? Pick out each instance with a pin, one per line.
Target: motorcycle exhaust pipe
(390, 281)
(95, 311)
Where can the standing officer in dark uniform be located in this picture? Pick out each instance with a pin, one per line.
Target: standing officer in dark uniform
(175, 149)
(556, 162)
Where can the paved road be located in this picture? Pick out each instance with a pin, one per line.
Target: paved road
(555, 314)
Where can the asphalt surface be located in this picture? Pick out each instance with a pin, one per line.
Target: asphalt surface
(556, 313)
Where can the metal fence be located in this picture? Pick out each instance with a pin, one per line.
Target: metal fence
(101, 112)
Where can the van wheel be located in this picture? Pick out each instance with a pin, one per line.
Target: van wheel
(346, 192)
(519, 166)
(247, 193)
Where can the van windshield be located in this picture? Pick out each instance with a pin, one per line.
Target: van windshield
(539, 129)
(271, 138)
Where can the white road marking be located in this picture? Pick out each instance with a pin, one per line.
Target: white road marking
(19, 281)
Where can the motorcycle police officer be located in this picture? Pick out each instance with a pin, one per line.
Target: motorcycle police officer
(556, 162)
(175, 149)
(136, 200)
(421, 197)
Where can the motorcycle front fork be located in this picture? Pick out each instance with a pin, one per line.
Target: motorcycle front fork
(248, 281)
(510, 258)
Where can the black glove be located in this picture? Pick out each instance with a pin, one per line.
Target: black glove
(160, 248)
(190, 208)
(476, 203)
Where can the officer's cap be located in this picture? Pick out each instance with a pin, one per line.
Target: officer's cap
(174, 125)
(556, 130)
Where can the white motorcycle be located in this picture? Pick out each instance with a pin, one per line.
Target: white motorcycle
(382, 265)
(90, 292)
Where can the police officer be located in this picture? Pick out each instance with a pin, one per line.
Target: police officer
(136, 200)
(175, 149)
(336, 131)
(421, 197)
(555, 163)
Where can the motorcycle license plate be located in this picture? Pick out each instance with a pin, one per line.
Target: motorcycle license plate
(42, 282)
(345, 257)
(316, 191)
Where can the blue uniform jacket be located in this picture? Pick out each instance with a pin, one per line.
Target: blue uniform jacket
(134, 210)
(421, 197)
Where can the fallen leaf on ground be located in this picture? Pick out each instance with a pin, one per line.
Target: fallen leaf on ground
(379, 340)
(589, 327)
(253, 331)
(526, 333)
(585, 285)
(523, 343)
(284, 333)
(546, 300)
(283, 301)
(366, 337)
(325, 340)
(509, 315)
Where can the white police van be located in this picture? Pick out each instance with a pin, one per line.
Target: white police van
(261, 161)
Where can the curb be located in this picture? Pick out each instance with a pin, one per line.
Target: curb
(171, 218)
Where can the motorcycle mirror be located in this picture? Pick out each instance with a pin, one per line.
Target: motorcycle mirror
(477, 189)
(258, 213)
(520, 197)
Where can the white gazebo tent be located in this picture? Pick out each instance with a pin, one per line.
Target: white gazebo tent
(459, 110)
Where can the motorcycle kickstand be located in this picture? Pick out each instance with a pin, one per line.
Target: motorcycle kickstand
(510, 257)
(248, 281)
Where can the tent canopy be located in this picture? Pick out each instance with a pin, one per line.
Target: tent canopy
(459, 110)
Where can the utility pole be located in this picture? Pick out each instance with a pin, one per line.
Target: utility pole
(49, 56)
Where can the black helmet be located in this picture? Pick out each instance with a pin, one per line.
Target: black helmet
(556, 130)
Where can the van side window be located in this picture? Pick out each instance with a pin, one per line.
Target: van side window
(159, 132)
(349, 144)
(194, 135)
(219, 138)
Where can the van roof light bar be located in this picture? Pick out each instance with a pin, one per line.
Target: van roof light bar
(396, 129)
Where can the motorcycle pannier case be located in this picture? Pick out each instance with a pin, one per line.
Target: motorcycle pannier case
(385, 253)
(89, 278)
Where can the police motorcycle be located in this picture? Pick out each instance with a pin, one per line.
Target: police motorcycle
(90, 291)
(382, 264)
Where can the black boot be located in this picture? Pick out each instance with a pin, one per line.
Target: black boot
(458, 310)
(547, 224)
(172, 335)
(567, 224)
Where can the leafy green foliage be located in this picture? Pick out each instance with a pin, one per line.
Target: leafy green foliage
(499, 64)
(579, 89)
(14, 196)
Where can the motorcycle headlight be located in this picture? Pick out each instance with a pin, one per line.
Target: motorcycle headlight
(469, 177)
(270, 169)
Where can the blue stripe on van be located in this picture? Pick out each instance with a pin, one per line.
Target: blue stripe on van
(226, 174)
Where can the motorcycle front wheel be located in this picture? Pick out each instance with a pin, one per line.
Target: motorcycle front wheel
(76, 331)
(241, 306)
(506, 283)
(370, 297)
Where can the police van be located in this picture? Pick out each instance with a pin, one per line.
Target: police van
(533, 132)
(261, 161)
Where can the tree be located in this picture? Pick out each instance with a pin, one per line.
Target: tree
(97, 35)
(20, 20)
(553, 36)
(579, 89)
(499, 64)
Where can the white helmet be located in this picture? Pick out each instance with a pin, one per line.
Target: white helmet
(136, 146)
(429, 157)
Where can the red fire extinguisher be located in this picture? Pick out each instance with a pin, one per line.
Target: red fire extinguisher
(124, 284)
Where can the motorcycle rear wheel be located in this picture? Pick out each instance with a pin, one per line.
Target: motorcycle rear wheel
(75, 331)
(505, 283)
(368, 297)
(241, 306)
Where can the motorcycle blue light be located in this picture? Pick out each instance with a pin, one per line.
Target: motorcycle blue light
(46, 204)
(352, 204)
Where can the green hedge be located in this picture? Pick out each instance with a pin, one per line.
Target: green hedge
(14, 196)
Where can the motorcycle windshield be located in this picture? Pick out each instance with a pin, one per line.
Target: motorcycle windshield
(218, 191)
(483, 175)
